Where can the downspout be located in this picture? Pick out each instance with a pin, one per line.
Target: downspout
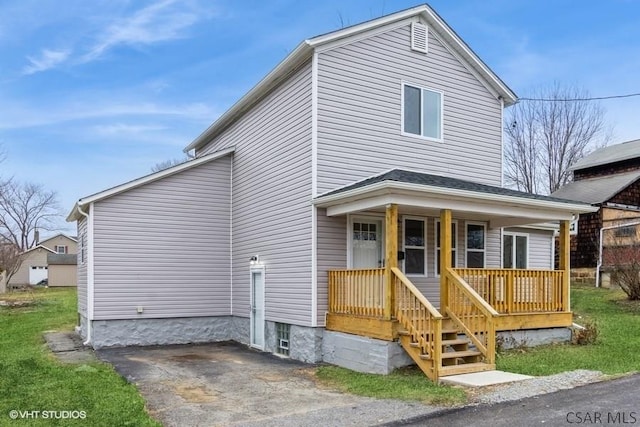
(89, 282)
(611, 227)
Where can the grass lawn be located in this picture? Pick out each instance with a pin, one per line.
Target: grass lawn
(31, 379)
(616, 351)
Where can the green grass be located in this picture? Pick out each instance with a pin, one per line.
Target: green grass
(616, 351)
(31, 379)
(404, 384)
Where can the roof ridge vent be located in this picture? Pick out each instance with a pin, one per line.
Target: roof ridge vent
(419, 36)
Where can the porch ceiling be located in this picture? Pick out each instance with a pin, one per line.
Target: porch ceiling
(500, 207)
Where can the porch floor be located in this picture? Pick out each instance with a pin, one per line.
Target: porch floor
(481, 379)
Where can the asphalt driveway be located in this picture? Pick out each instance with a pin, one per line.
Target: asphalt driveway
(227, 384)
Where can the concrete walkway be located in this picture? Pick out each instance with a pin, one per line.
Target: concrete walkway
(67, 347)
(482, 379)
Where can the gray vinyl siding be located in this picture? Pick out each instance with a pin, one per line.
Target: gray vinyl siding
(272, 199)
(82, 267)
(331, 254)
(164, 246)
(359, 113)
(540, 253)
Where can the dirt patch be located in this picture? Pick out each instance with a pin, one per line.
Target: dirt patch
(193, 393)
(190, 356)
(17, 303)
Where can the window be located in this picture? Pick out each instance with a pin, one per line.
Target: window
(628, 231)
(422, 112)
(414, 247)
(83, 245)
(515, 250)
(454, 239)
(283, 332)
(61, 249)
(475, 245)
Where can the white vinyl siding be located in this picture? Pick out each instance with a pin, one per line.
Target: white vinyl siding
(360, 113)
(82, 267)
(164, 247)
(272, 199)
(331, 254)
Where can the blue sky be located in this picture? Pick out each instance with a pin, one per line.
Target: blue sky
(94, 93)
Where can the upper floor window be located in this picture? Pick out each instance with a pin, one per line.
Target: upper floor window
(422, 112)
(61, 249)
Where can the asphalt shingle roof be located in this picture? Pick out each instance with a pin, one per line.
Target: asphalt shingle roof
(62, 259)
(400, 175)
(611, 154)
(598, 189)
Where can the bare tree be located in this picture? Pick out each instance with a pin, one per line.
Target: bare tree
(548, 133)
(25, 208)
(10, 261)
(621, 258)
(168, 164)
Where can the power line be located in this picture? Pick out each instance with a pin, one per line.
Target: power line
(595, 98)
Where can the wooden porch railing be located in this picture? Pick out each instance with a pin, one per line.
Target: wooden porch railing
(512, 291)
(419, 318)
(473, 315)
(357, 292)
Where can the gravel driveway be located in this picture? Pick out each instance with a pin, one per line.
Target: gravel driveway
(226, 384)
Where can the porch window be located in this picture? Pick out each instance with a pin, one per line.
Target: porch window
(422, 112)
(454, 239)
(414, 246)
(476, 235)
(515, 250)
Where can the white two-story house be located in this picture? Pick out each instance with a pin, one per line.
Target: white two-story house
(349, 208)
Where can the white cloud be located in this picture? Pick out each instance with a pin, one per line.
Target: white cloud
(48, 59)
(155, 23)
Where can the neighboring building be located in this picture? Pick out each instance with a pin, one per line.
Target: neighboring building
(63, 269)
(285, 230)
(610, 179)
(35, 266)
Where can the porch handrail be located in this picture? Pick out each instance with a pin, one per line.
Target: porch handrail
(512, 291)
(421, 320)
(471, 313)
(357, 292)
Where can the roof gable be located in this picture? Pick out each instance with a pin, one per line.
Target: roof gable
(42, 242)
(304, 51)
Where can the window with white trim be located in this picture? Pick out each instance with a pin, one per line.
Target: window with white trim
(422, 112)
(515, 250)
(414, 247)
(476, 244)
(454, 239)
(60, 249)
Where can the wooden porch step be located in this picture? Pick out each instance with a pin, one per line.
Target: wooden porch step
(456, 354)
(456, 341)
(466, 368)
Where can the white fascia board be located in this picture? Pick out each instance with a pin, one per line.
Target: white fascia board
(495, 203)
(38, 247)
(268, 82)
(73, 215)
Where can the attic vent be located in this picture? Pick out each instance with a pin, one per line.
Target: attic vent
(419, 37)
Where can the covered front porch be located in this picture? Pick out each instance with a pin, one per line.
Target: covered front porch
(454, 329)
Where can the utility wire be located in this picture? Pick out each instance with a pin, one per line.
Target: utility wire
(595, 98)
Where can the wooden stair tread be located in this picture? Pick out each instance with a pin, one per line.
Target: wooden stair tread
(466, 368)
(455, 354)
(456, 341)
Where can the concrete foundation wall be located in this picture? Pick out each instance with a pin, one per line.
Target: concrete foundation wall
(532, 337)
(363, 354)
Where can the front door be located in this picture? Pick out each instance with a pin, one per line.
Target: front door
(257, 308)
(366, 243)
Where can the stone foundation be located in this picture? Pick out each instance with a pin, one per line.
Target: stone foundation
(583, 276)
(363, 354)
(532, 337)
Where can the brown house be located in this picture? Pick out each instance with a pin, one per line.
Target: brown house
(608, 178)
